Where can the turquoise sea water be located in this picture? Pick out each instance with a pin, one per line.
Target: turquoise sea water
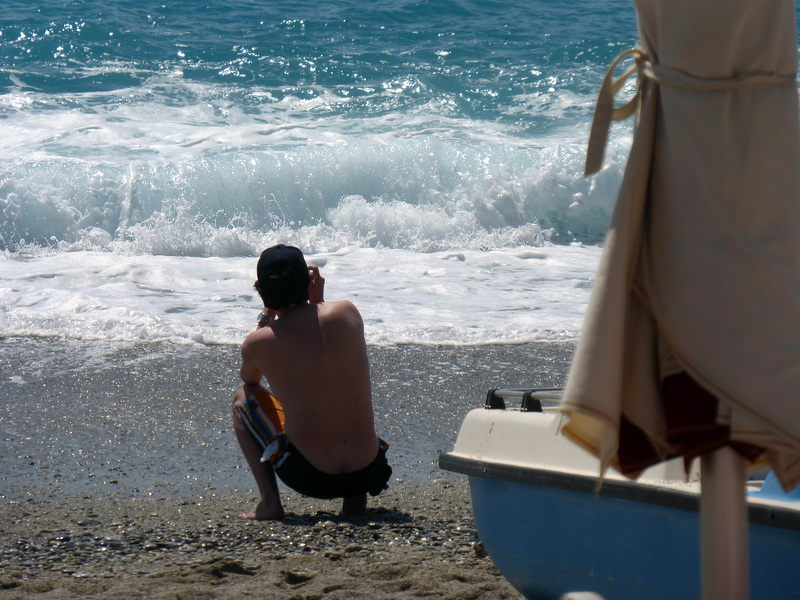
(255, 117)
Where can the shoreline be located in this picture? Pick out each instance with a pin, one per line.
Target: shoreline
(417, 540)
(154, 419)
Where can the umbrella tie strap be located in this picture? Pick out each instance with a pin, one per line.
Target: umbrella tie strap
(605, 112)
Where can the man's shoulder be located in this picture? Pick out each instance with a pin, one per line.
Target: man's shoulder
(343, 305)
(262, 335)
(340, 308)
(342, 315)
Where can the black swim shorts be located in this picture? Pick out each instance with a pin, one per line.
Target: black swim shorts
(303, 477)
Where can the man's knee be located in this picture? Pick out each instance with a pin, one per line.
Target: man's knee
(238, 399)
(243, 392)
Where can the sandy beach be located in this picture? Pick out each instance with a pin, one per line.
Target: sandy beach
(417, 541)
(120, 477)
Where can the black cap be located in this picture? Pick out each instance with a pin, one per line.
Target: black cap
(278, 259)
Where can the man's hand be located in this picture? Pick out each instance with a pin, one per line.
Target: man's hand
(316, 287)
(266, 317)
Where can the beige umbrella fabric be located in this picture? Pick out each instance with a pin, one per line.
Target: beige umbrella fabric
(700, 274)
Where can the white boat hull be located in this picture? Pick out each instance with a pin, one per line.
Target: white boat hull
(550, 531)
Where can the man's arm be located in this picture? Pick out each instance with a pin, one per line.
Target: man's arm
(249, 373)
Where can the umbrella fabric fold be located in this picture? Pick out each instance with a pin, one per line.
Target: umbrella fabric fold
(692, 335)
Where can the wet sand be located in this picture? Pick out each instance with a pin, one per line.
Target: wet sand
(155, 419)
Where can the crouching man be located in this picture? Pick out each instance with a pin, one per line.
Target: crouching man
(319, 438)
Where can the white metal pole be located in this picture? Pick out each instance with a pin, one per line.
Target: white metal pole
(724, 526)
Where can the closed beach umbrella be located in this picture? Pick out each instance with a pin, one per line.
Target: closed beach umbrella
(691, 342)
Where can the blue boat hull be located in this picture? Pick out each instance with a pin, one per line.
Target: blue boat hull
(549, 541)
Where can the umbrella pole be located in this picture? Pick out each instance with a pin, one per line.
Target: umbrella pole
(724, 526)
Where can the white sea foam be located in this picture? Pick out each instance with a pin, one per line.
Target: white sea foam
(453, 298)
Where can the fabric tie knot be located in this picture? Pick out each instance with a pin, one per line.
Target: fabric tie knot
(605, 112)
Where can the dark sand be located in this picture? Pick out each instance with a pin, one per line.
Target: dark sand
(417, 541)
(120, 478)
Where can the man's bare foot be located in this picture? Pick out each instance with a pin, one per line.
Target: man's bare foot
(262, 513)
(354, 506)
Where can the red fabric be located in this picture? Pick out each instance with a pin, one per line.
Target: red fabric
(690, 413)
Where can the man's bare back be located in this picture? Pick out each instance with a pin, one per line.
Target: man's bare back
(315, 359)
